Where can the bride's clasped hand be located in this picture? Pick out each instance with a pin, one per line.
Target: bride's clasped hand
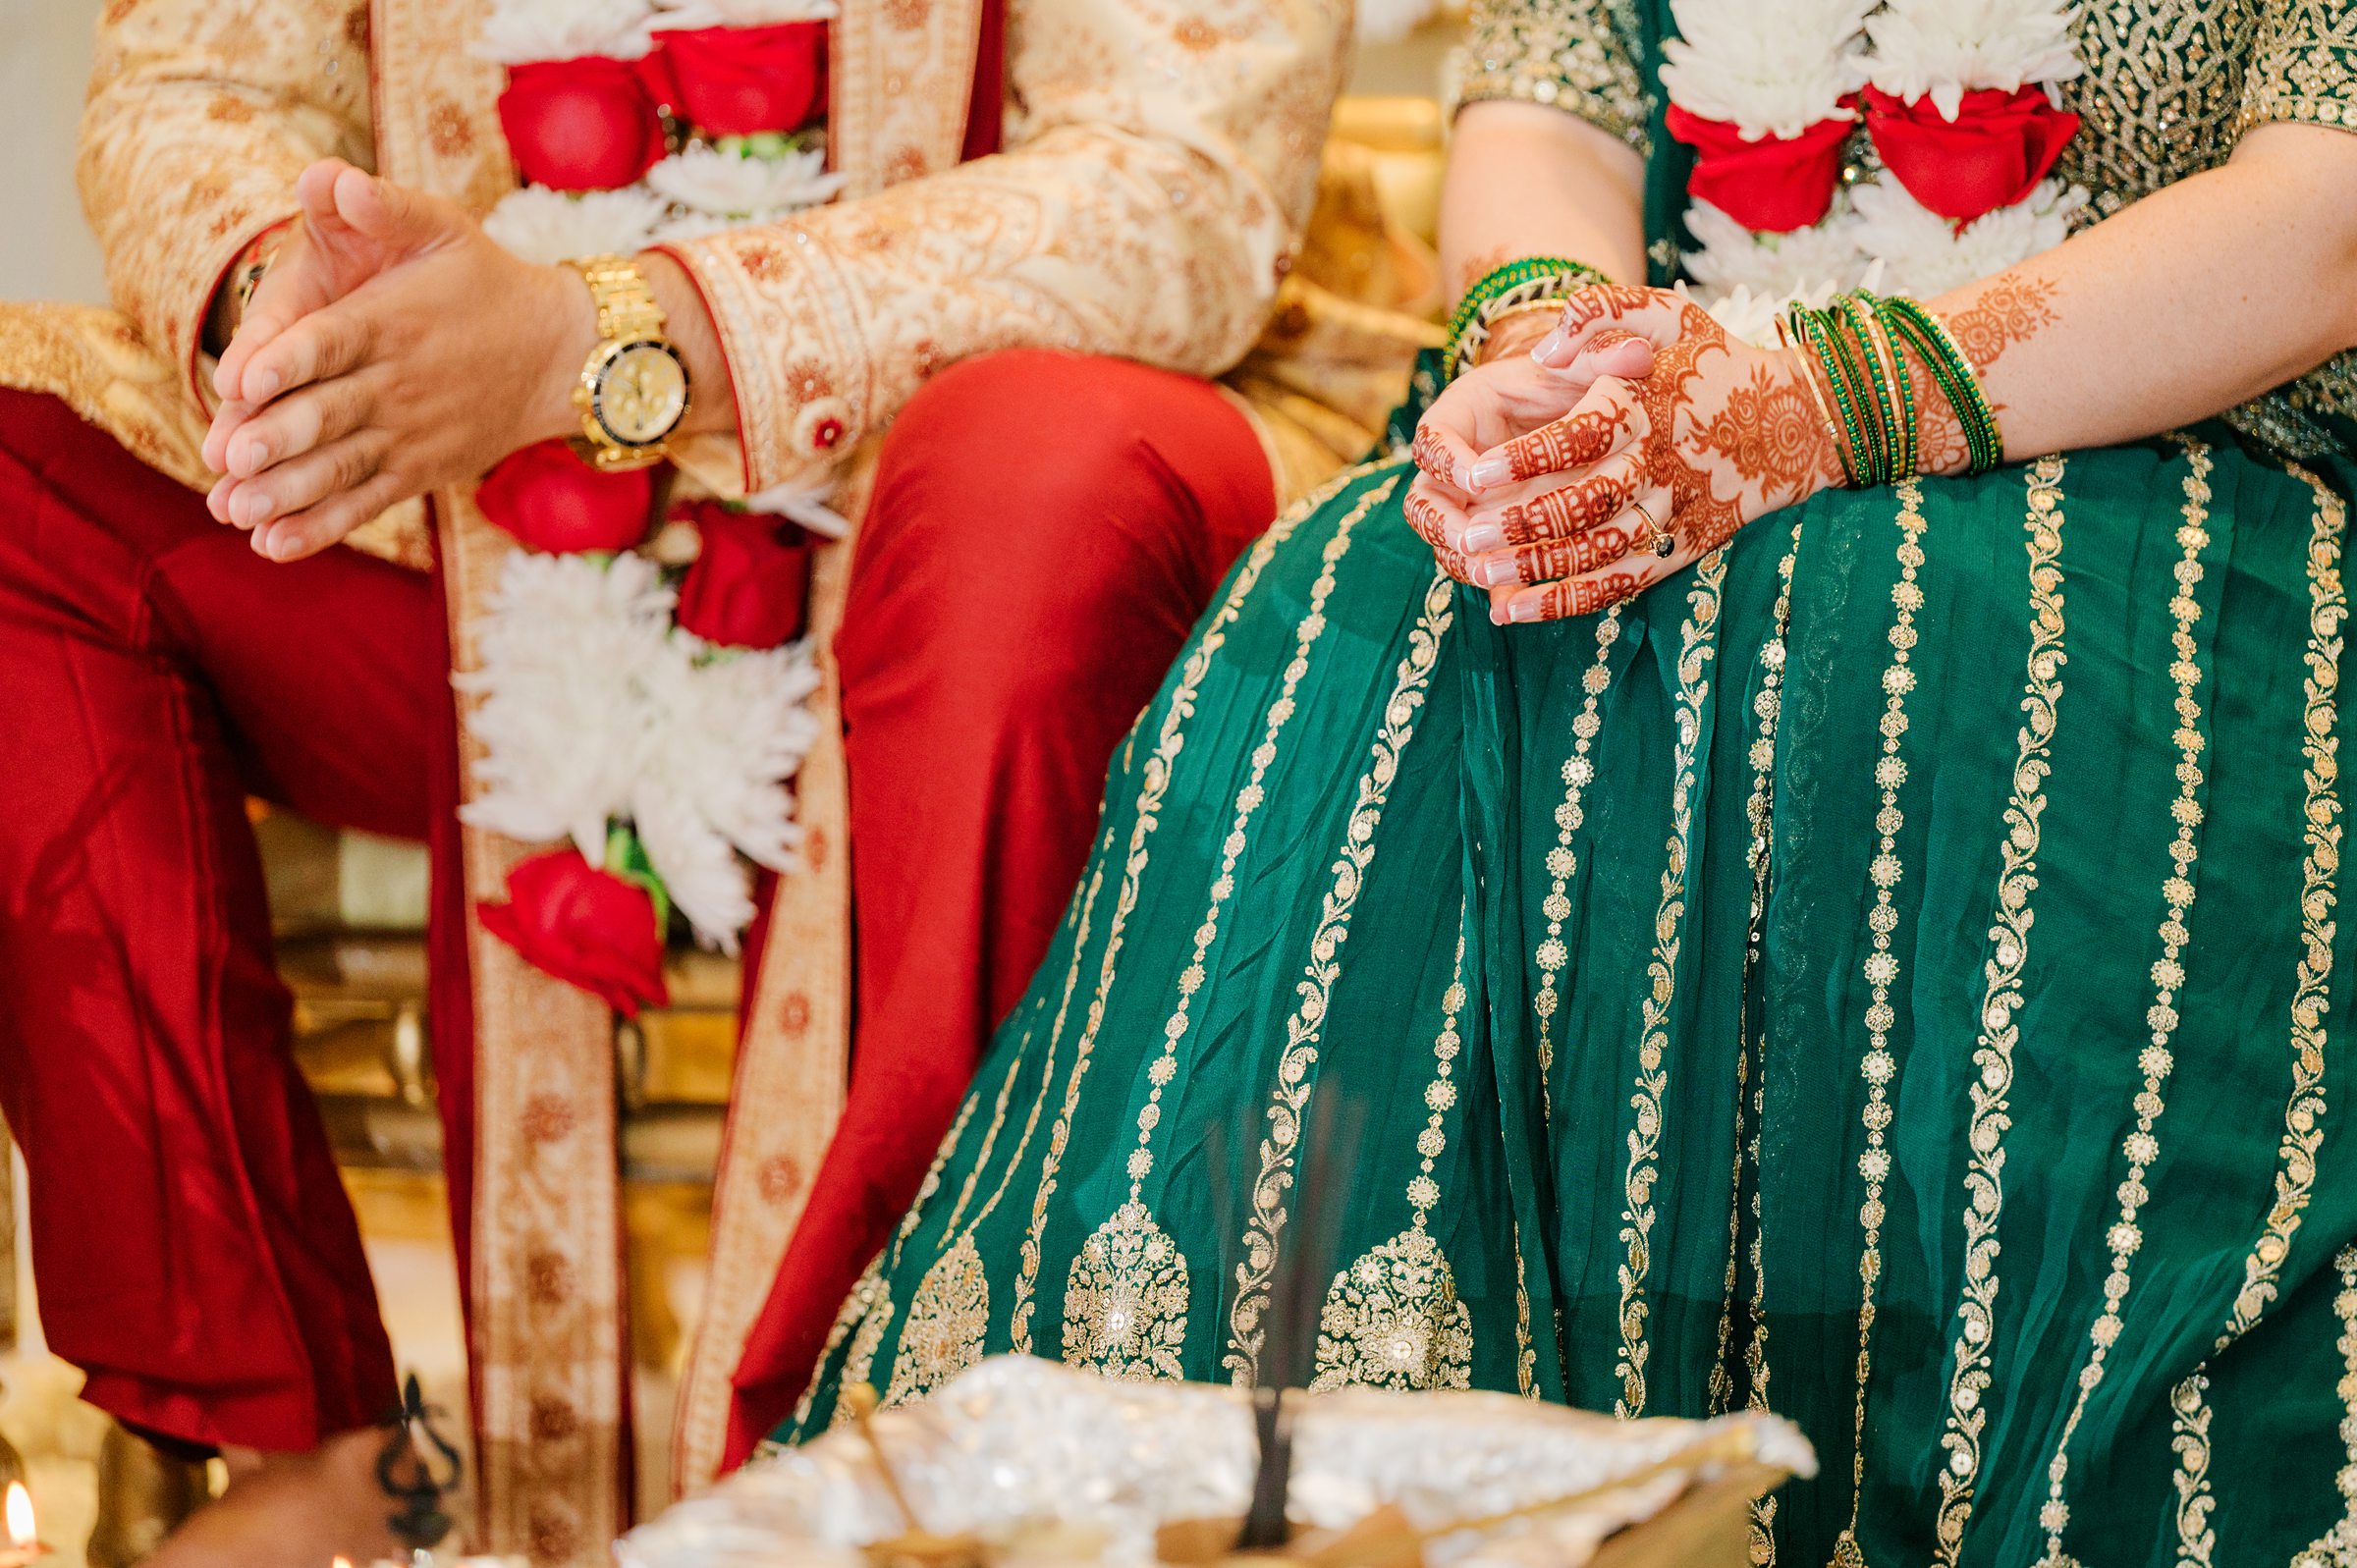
(1630, 440)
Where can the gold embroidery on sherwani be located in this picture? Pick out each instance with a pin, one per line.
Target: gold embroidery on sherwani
(1969, 1381)
(1698, 645)
(1146, 813)
(1289, 1100)
(1563, 861)
(2142, 1145)
(2338, 1548)
(1751, 1064)
(1879, 1067)
(2311, 1001)
(1393, 1318)
(1125, 1296)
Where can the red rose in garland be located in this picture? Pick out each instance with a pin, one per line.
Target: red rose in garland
(1995, 151)
(1773, 184)
(586, 927)
(549, 500)
(582, 124)
(749, 584)
(739, 81)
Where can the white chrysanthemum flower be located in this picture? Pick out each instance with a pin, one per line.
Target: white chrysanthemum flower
(1774, 266)
(739, 188)
(1751, 317)
(521, 32)
(1768, 70)
(688, 15)
(1946, 48)
(804, 503)
(546, 227)
(1926, 255)
(730, 730)
(566, 642)
(1384, 21)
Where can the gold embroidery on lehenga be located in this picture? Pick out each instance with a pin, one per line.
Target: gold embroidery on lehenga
(1563, 860)
(1296, 1078)
(1969, 1380)
(1124, 1302)
(1393, 1318)
(947, 1319)
(1878, 1066)
(2338, 1548)
(1751, 1075)
(2189, 1441)
(1125, 1297)
(1146, 812)
(1526, 1355)
(955, 1295)
(2142, 1147)
(871, 1307)
(1698, 645)
(2311, 1000)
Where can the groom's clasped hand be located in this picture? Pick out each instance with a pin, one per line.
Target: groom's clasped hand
(391, 348)
(1631, 440)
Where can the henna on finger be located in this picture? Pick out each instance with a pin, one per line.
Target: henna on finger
(1425, 516)
(1550, 558)
(1567, 510)
(1578, 440)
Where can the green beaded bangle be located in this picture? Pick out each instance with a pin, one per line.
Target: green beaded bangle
(1952, 371)
(1869, 400)
(1500, 290)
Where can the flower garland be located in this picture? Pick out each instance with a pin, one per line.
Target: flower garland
(642, 691)
(1960, 98)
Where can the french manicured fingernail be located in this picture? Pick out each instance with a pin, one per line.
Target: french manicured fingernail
(1487, 472)
(1553, 350)
(1498, 615)
(1482, 536)
(1523, 609)
(1498, 572)
(261, 385)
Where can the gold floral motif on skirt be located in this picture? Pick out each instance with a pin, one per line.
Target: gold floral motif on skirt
(1125, 1304)
(1392, 1321)
(860, 1361)
(947, 1319)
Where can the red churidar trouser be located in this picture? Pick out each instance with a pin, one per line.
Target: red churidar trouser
(1045, 527)
(1045, 530)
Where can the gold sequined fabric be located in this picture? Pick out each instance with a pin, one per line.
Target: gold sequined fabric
(1576, 55)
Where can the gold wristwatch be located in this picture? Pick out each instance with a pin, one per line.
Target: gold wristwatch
(633, 390)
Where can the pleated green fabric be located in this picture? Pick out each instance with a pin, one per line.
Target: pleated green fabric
(1888, 973)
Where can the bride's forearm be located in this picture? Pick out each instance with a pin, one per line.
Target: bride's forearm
(1525, 180)
(2192, 301)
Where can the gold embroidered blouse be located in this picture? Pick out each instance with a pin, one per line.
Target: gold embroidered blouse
(2169, 87)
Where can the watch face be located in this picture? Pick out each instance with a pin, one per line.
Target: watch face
(642, 393)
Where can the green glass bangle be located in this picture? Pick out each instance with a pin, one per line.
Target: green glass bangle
(1519, 283)
(1850, 394)
(1864, 379)
(1810, 330)
(1907, 322)
(1958, 381)
(1896, 402)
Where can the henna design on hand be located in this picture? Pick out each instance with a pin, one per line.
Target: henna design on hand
(1585, 596)
(2008, 311)
(1431, 456)
(1575, 441)
(1556, 514)
(1770, 434)
(1552, 559)
(1424, 516)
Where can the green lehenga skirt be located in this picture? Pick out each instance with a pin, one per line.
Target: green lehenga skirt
(1890, 973)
